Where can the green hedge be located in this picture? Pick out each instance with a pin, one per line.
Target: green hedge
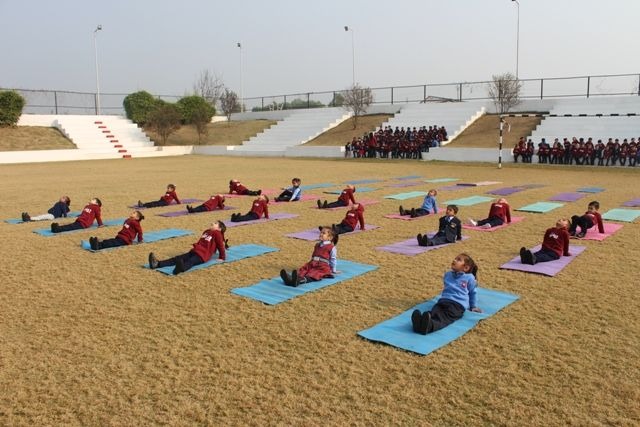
(138, 105)
(11, 105)
(195, 108)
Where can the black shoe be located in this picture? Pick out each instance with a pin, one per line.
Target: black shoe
(413, 212)
(285, 277)
(325, 205)
(153, 261)
(55, 227)
(319, 204)
(421, 241)
(416, 318)
(189, 209)
(320, 228)
(429, 241)
(426, 324)
(93, 242)
(140, 204)
(528, 258)
(401, 210)
(523, 252)
(179, 268)
(25, 217)
(226, 243)
(295, 280)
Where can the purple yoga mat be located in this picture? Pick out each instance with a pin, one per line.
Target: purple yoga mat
(272, 217)
(406, 184)
(410, 247)
(550, 268)
(567, 197)
(183, 213)
(632, 203)
(183, 201)
(363, 202)
(451, 188)
(314, 233)
(506, 191)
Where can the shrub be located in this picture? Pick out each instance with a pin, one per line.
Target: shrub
(11, 105)
(138, 105)
(195, 108)
(164, 120)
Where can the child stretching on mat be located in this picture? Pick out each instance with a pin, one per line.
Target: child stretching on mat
(212, 240)
(236, 186)
(59, 210)
(260, 207)
(428, 205)
(322, 264)
(169, 196)
(590, 218)
(214, 202)
(499, 213)
(458, 295)
(85, 220)
(449, 229)
(291, 194)
(130, 229)
(354, 215)
(346, 197)
(554, 244)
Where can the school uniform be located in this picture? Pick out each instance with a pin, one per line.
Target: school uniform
(322, 264)
(89, 213)
(210, 242)
(291, 194)
(585, 222)
(499, 213)
(458, 295)
(345, 197)
(214, 202)
(449, 231)
(351, 220)
(428, 206)
(165, 200)
(258, 209)
(238, 188)
(554, 244)
(130, 229)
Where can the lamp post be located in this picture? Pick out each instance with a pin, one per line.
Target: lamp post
(353, 54)
(517, 38)
(95, 49)
(241, 88)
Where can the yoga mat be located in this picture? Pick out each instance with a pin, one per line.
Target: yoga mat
(632, 203)
(540, 207)
(19, 220)
(469, 201)
(313, 233)
(173, 203)
(398, 331)
(149, 237)
(506, 191)
(407, 177)
(274, 291)
(626, 215)
(590, 190)
(183, 213)
(272, 217)
(567, 197)
(550, 268)
(530, 186)
(314, 186)
(234, 253)
(406, 217)
(47, 231)
(405, 196)
(363, 202)
(303, 198)
(514, 219)
(451, 188)
(478, 184)
(410, 247)
(362, 181)
(268, 192)
(405, 184)
(593, 234)
(441, 180)
(358, 190)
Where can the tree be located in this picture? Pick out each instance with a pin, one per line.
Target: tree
(229, 103)
(164, 120)
(337, 101)
(11, 105)
(504, 90)
(357, 99)
(138, 105)
(200, 118)
(209, 85)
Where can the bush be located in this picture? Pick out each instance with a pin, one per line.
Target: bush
(138, 105)
(11, 105)
(195, 108)
(164, 120)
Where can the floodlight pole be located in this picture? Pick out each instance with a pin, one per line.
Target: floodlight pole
(95, 49)
(517, 38)
(241, 87)
(353, 54)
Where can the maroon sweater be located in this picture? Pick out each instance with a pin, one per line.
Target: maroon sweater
(354, 216)
(170, 196)
(130, 230)
(260, 208)
(89, 213)
(210, 241)
(556, 240)
(500, 210)
(347, 196)
(237, 188)
(215, 202)
(595, 218)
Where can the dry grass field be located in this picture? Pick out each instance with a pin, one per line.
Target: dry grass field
(345, 132)
(20, 138)
(95, 339)
(485, 131)
(219, 133)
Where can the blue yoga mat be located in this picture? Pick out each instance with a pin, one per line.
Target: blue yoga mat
(20, 221)
(402, 178)
(234, 253)
(362, 181)
(469, 201)
(358, 190)
(149, 237)
(590, 190)
(442, 180)
(405, 196)
(274, 291)
(47, 231)
(540, 207)
(320, 185)
(626, 215)
(398, 331)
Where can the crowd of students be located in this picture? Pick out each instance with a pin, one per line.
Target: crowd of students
(400, 143)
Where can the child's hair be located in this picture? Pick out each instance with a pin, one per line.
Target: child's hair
(454, 208)
(223, 228)
(98, 202)
(140, 216)
(296, 180)
(469, 262)
(433, 191)
(171, 186)
(266, 198)
(332, 234)
(502, 200)
(594, 204)
(67, 200)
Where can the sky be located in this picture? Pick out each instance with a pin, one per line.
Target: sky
(298, 46)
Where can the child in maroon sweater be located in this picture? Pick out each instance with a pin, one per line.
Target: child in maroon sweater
(590, 218)
(214, 202)
(554, 245)
(89, 213)
(323, 261)
(346, 197)
(130, 229)
(236, 186)
(354, 216)
(499, 213)
(212, 240)
(169, 196)
(258, 209)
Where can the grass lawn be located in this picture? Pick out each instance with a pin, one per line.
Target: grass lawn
(21, 138)
(485, 131)
(219, 133)
(345, 132)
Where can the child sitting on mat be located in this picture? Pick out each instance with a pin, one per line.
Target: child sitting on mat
(354, 215)
(449, 229)
(236, 186)
(212, 240)
(499, 213)
(590, 218)
(291, 194)
(346, 197)
(169, 196)
(89, 213)
(323, 261)
(554, 244)
(214, 202)
(59, 210)
(458, 295)
(428, 205)
(130, 229)
(258, 209)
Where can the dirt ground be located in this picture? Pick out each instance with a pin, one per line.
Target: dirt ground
(95, 339)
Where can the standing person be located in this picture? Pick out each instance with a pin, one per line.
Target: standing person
(89, 213)
(169, 196)
(236, 186)
(554, 245)
(354, 215)
(346, 197)
(212, 240)
(258, 208)
(130, 229)
(291, 194)
(499, 213)
(323, 261)
(590, 218)
(214, 202)
(458, 295)
(429, 205)
(449, 229)
(59, 210)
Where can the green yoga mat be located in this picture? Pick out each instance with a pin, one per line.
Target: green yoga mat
(540, 207)
(469, 201)
(626, 215)
(405, 196)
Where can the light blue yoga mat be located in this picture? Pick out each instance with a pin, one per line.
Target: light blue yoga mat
(406, 177)
(469, 201)
(442, 180)
(274, 291)
(626, 215)
(362, 181)
(358, 190)
(540, 207)
(149, 237)
(234, 253)
(20, 221)
(405, 196)
(590, 190)
(398, 331)
(320, 185)
(47, 231)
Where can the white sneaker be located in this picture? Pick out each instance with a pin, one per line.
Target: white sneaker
(487, 225)
(472, 222)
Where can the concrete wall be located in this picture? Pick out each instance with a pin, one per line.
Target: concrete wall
(468, 155)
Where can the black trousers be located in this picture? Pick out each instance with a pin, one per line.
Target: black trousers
(201, 208)
(112, 243)
(70, 227)
(343, 228)
(336, 204)
(494, 221)
(444, 313)
(189, 260)
(155, 204)
(421, 212)
(285, 196)
(251, 216)
(544, 255)
(580, 221)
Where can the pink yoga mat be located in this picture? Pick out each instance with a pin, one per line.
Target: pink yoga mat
(410, 247)
(303, 198)
(313, 233)
(183, 213)
(550, 268)
(478, 184)
(514, 219)
(272, 217)
(364, 202)
(609, 229)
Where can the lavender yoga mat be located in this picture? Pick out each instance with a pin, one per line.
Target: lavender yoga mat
(550, 268)
(183, 213)
(451, 188)
(506, 191)
(410, 247)
(406, 184)
(609, 229)
(514, 219)
(182, 201)
(272, 217)
(632, 203)
(567, 197)
(313, 233)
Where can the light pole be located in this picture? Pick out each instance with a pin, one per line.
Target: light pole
(353, 54)
(241, 88)
(517, 38)
(95, 49)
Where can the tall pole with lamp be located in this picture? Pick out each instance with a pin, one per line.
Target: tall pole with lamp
(353, 54)
(95, 49)
(241, 87)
